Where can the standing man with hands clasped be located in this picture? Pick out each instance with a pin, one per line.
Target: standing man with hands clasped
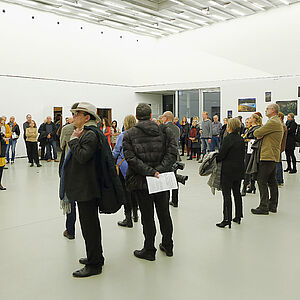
(149, 150)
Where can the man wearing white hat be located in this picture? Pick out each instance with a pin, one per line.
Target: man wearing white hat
(80, 183)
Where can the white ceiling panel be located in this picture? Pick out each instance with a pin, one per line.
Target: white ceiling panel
(157, 18)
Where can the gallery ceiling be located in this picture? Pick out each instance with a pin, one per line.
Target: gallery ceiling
(157, 18)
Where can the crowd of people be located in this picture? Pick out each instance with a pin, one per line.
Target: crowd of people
(144, 147)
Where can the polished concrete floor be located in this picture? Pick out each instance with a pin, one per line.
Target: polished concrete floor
(259, 259)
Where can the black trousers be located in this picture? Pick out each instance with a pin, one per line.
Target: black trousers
(1, 172)
(183, 142)
(175, 196)
(194, 152)
(91, 231)
(26, 144)
(130, 199)
(290, 157)
(32, 151)
(227, 187)
(146, 203)
(266, 179)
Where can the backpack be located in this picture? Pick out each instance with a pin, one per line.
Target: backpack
(112, 192)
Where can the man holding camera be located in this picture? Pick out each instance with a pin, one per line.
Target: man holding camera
(149, 150)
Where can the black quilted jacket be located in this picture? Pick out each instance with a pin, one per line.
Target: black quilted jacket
(148, 148)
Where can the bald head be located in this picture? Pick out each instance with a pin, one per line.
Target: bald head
(168, 117)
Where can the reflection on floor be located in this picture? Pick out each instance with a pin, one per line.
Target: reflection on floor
(258, 259)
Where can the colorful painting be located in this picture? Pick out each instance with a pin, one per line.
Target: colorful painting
(289, 106)
(268, 96)
(247, 105)
(229, 114)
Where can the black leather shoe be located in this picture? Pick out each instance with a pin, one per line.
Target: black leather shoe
(189, 159)
(164, 249)
(2, 188)
(31, 165)
(68, 236)
(287, 170)
(39, 165)
(294, 171)
(237, 220)
(83, 261)
(144, 254)
(126, 223)
(87, 271)
(273, 210)
(173, 204)
(223, 224)
(258, 211)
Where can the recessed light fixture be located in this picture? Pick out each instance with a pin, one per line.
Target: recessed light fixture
(125, 18)
(27, 2)
(257, 5)
(215, 3)
(285, 2)
(177, 2)
(64, 10)
(218, 17)
(238, 12)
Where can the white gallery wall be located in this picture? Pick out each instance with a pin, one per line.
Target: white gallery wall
(43, 64)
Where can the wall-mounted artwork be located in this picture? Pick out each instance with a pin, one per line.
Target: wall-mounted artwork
(287, 107)
(268, 96)
(298, 91)
(229, 114)
(247, 105)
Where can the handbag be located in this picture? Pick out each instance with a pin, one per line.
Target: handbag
(119, 165)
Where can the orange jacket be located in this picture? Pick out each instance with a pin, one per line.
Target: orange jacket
(8, 133)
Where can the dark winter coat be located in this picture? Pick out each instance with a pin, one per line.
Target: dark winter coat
(184, 132)
(232, 153)
(291, 135)
(43, 133)
(2, 145)
(81, 176)
(148, 148)
(197, 144)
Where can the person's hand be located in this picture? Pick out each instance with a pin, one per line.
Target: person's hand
(49, 136)
(156, 175)
(209, 140)
(201, 131)
(77, 132)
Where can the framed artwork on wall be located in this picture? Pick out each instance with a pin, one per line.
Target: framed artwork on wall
(268, 96)
(247, 105)
(298, 91)
(289, 106)
(229, 114)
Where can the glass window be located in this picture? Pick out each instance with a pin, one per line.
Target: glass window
(188, 103)
(211, 103)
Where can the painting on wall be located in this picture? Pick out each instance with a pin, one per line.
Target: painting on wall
(229, 114)
(298, 91)
(268, 96)
(287, 107)
(247, 105)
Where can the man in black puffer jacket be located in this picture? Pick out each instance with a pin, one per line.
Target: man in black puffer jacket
(149, 150)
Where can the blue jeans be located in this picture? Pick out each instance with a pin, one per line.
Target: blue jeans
(205, 145)
(215, 142)
(12, 145)
(279, 172)
(48, 150)
(71, 219)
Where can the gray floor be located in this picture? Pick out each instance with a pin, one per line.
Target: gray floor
(259, 259)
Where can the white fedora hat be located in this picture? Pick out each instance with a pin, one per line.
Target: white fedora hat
(88, 108)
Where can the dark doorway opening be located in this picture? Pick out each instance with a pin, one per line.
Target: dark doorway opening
(104, 113)
(57, 119)
(168, 103)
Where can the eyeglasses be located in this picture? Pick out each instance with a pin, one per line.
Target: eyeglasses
(77, 113)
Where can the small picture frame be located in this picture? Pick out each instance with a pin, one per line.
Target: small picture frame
(229, 114)
(268, 96)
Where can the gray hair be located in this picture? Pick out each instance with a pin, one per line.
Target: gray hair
(275, 107)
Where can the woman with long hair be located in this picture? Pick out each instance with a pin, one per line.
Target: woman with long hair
(194, 140)
(291, 144)
(115, 132)
(2, 150)
(184, 133)
(106, 129)
(130, 205)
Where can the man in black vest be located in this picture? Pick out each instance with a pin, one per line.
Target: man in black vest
(81, 184)
(149, 150)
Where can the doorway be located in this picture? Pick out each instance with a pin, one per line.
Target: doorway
(168, 103)
(211, 103)
(104, 113)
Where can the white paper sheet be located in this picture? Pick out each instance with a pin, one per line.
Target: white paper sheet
(250, 150)
(165, 182)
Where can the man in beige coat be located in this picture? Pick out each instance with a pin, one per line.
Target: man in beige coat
(271, 133)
